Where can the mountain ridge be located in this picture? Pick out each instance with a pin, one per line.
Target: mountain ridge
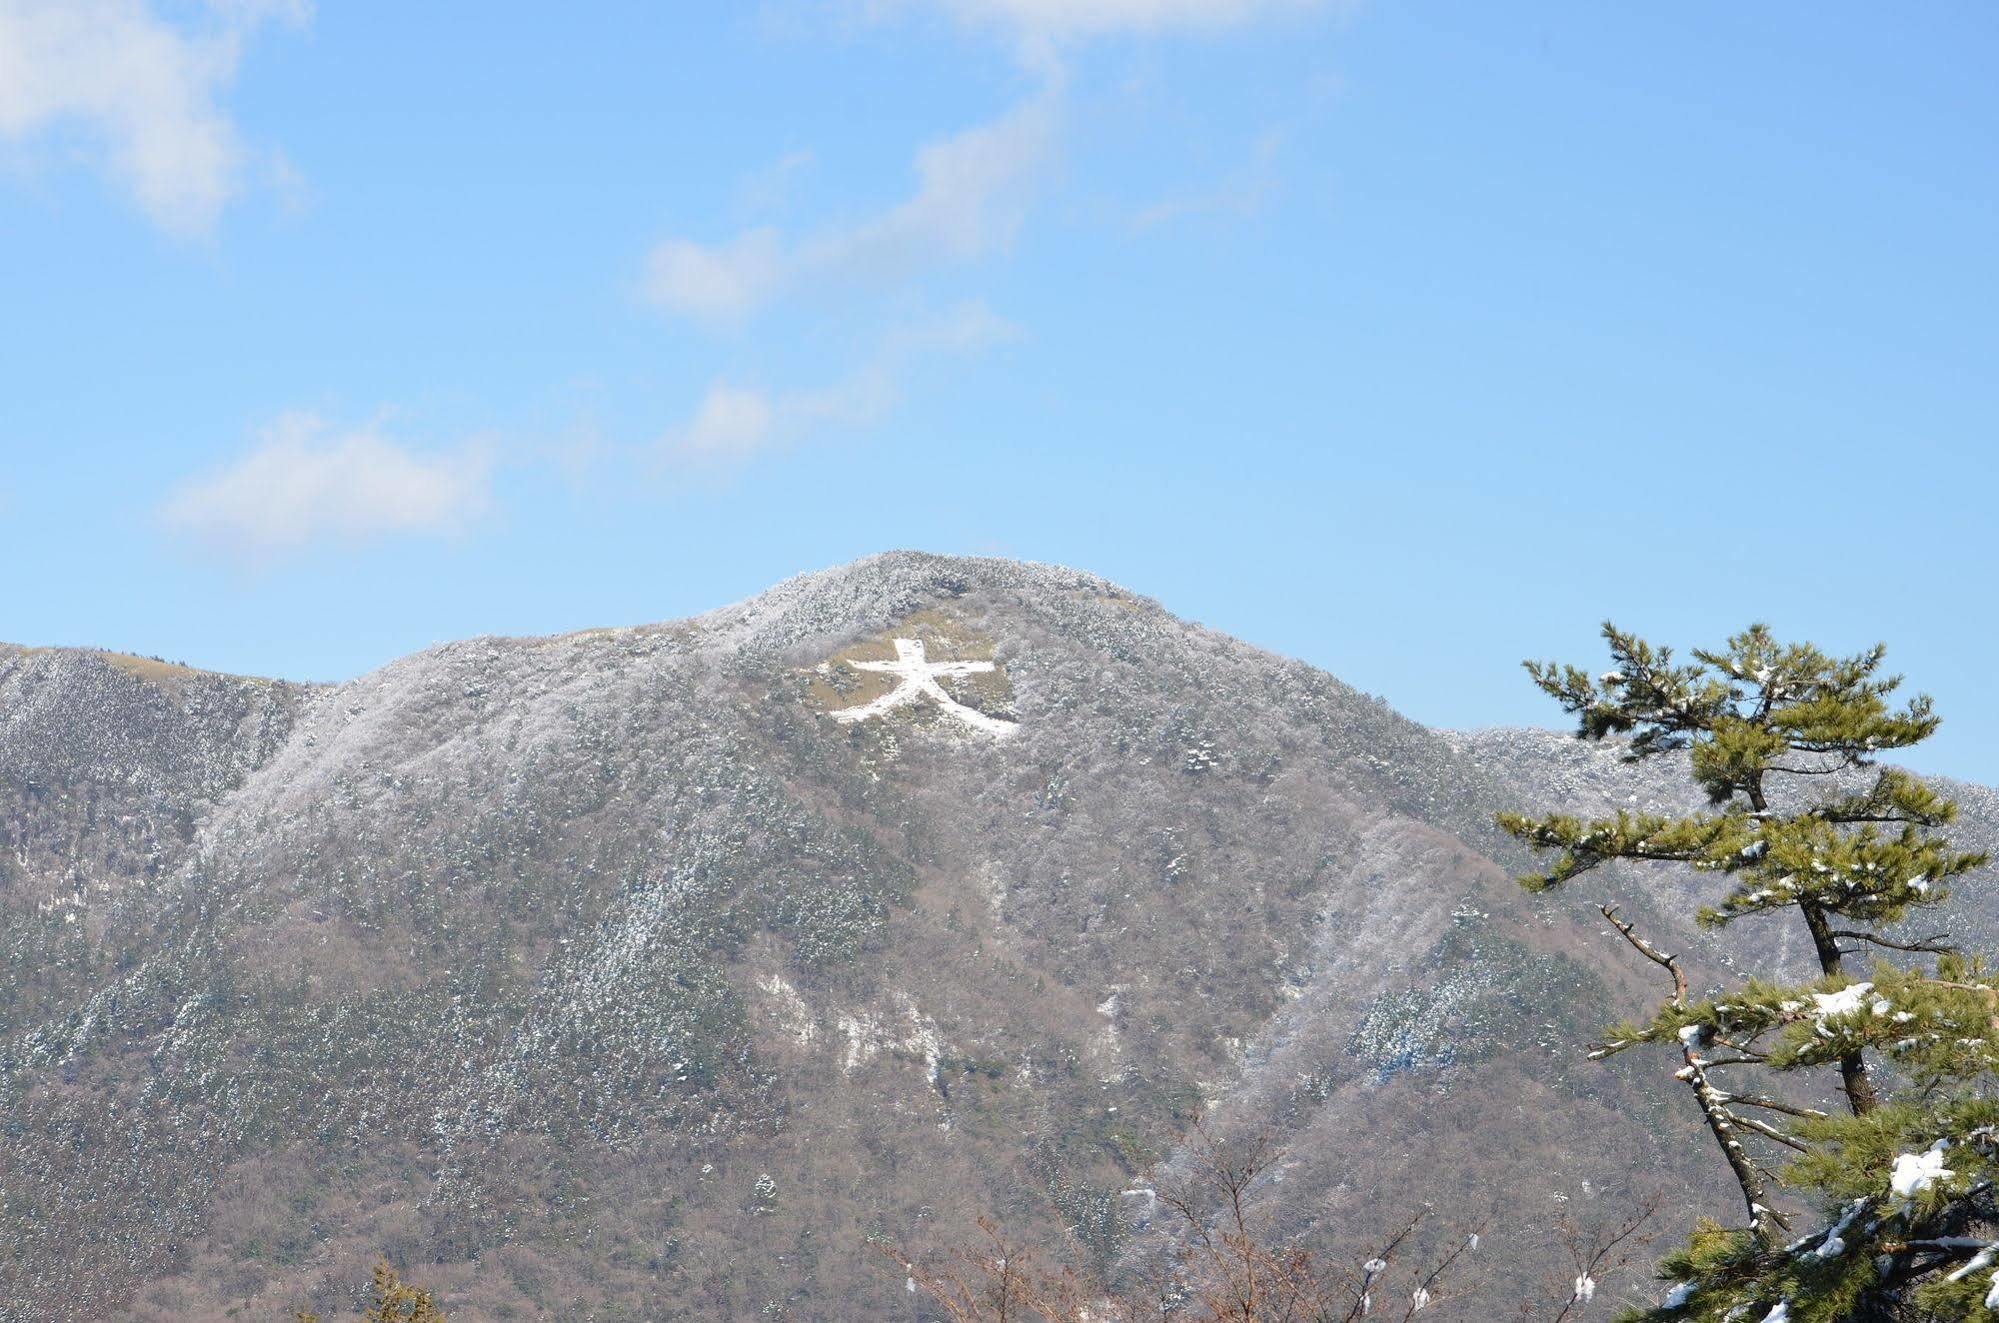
(531, 959)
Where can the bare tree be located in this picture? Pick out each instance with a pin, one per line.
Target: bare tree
(1224, 1267)
(1596, 1252)
(995, 1281)
(1230, 1272)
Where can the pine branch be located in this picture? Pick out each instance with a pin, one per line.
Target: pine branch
(1772, 1104)
(1928, 945)
(1762, 1220)
(1768, 1131)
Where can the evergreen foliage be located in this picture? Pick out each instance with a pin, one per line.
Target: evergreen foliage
(1783, 738)
(396, 1301)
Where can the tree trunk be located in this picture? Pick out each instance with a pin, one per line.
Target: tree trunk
(1852, 1066)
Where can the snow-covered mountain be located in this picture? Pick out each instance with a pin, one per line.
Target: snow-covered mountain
(649, 973)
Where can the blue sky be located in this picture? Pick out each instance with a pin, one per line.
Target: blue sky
(1410, 339)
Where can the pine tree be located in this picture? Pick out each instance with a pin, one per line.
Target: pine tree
(396, 1301)
(1783, 739)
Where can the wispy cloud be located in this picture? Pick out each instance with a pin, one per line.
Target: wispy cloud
(718, 283)
(1064, 20)
(1246, 191)
(766, 189)
(142, 89)
(734, 422)
(309, 482)
(971, 194)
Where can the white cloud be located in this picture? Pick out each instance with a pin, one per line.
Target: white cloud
(1069, 19)
(731, 422)
(971, 196)
(766, 189)
(717, 284)
(1087, 17)
(734, 422)
(308, 482)
(143, 88)
(1244, 193)
(966, 329)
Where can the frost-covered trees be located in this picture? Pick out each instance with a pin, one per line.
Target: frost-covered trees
(1900, 1185)
(1226, 1262)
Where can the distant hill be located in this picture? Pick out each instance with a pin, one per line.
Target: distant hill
(612, 976)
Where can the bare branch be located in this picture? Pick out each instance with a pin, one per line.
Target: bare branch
(1669, 963)
(1763, 1221)
(1772, 1104)
(1767, 1130)
(1591, 1255)
(1933, 945)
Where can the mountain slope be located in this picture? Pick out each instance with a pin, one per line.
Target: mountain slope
(612, 976)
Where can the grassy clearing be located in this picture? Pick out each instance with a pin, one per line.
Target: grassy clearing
(153, 670)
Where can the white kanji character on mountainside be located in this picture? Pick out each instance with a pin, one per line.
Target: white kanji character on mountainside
(916, 678)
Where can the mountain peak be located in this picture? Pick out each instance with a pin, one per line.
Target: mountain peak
(821, 607)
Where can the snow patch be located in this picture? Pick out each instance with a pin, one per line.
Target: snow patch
(867, 1038)
(1916, 1172)
(790, 1010)
(1108, 1008)
(1844, 1002)
(1982, 1259)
